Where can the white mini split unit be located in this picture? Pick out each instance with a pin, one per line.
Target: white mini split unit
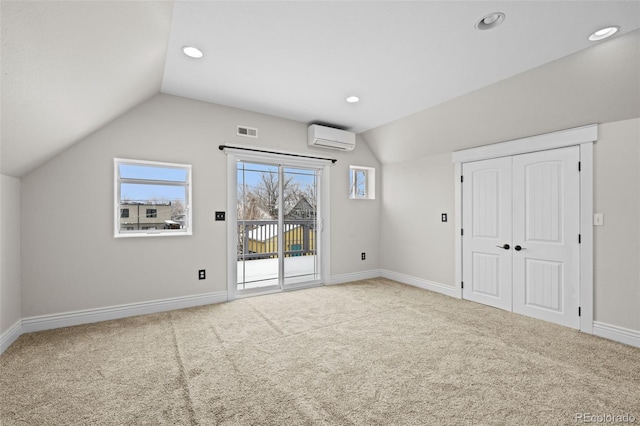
(330, 138)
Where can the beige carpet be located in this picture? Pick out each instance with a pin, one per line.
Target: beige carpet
(373, 352)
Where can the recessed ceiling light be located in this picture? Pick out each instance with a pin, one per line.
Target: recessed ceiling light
(353, 99)
(192, 52)
(603, 33)
(492, 20)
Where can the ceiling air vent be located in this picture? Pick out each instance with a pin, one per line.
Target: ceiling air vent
(248, 132)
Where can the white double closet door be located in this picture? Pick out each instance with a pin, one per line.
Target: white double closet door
(521, 227)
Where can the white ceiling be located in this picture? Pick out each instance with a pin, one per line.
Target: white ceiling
(301, 60)
(596, 85)
(70, 67)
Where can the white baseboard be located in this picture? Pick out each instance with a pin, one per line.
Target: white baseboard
(422, 283)
(47, 322)
(611, 332)
(10, 335)
(617, 334)
(67, 319)
(354, 276)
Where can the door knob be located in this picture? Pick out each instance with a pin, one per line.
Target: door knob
(518, 248)
(506, 247)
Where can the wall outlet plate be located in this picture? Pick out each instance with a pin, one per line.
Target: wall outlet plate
(220, 215)
(444, 217)
(598, 219)
(202, 274)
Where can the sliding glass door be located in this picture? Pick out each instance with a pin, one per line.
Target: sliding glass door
(300, 259)
(277, 226)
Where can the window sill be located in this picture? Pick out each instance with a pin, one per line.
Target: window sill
(152, 234)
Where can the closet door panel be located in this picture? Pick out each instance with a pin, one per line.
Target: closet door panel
(486, 191)
(546, 220)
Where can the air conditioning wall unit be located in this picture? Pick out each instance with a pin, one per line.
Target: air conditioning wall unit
(330, 138)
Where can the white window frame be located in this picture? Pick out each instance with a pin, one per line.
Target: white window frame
(118, 180)
(324, 238)
(369, 183)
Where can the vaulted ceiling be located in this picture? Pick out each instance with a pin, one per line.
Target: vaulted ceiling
(69, 68)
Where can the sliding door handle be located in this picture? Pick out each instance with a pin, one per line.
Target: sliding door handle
(505, 246)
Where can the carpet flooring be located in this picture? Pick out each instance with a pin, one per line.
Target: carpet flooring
(372, 352)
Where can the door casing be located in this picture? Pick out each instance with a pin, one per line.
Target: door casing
(323, 239)
(521, 223)
(584, 137)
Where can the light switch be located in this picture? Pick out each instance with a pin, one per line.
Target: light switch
(598, 219)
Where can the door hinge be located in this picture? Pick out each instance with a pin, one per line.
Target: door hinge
(461, 178)
(462, 284)
(579, 311)
(579, 166)
(462, 232)
(579, 238)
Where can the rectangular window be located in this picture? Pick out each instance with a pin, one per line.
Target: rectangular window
(362, 181)
(152, 198)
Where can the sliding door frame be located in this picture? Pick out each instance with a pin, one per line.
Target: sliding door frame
(584, 137)
(323, 236)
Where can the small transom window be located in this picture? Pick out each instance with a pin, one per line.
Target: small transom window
(362, 183)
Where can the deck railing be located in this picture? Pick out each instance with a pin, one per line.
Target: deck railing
(258, 239)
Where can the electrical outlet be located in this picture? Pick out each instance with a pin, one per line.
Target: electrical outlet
(363, 256)
(444, 217)
(201, 274)
(220, 215)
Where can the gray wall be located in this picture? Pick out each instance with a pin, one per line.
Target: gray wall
(75, 263)
(617, 243)
(10, 293)
(414, 240)
(416, 243)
